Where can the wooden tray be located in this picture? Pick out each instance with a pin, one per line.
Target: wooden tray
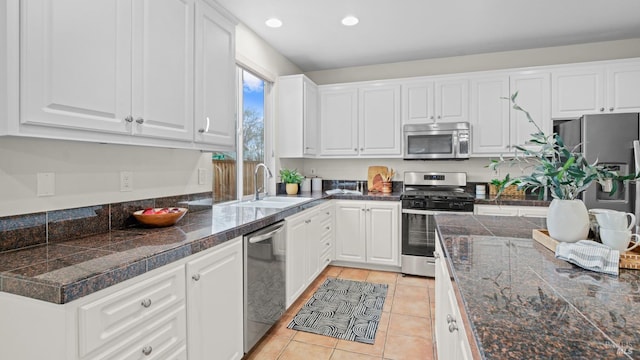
(374, 178)
(628, 259)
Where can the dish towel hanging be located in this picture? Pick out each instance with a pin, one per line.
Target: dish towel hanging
(590, 255)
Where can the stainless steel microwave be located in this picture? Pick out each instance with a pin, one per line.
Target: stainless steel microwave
(437, 141)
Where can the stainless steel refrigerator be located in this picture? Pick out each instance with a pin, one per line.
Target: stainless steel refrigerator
(612, 140)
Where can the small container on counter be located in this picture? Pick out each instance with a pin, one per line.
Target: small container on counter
(306, 185)
(316, 184)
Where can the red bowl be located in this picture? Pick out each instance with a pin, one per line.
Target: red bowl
(159, 220)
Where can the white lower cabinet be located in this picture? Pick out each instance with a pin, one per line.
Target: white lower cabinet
(215, 304)
(192, 308)
(309, 248)
(451, 339)
(368, 232)
(508, 210)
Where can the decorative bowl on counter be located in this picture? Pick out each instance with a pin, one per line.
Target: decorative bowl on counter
(159, 217)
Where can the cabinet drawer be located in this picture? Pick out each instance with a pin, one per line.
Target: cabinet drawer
(325, 245)
(118, 314)
(326, 257)
(162, 338)
(326, 229)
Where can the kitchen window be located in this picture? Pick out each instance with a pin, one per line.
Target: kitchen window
(233, 179)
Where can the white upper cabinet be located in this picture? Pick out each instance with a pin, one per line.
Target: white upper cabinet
(593, 89)
(360, 120)
(379, 120)
(428, 101)
(76, 69)
(489, 115)
(162, 105)
(339, 121)
(577, 91)
(108, 69)
(297, 116)
(452, 100)
(534, 96)
(623, 87)
(215, 119)
(418, 103)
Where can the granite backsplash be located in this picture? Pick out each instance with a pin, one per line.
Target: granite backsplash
(22, 231)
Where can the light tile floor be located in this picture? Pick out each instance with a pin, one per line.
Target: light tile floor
(405, 330)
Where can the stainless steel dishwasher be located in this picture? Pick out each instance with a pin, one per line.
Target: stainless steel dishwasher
(264, 281)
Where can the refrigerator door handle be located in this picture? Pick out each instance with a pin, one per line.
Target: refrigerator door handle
(636, 169)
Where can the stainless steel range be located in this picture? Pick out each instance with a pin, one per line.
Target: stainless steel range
(426, 194)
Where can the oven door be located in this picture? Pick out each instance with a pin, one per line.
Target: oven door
(440, 144)
(419, 231)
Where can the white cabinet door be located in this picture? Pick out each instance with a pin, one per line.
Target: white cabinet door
(418, 103)
(379, 120)
(440, 101)
(339, 121)
(314, 231)
(163, 58)
(576, 92)
(310, 128)
(297, 116)
(534, 96)
(623, 88)
(383, 233)
(508, 210)
(490, 115)
(445, 342)
(215, 303)
(296, 257)
(76, 64)
(350, 231)
(215, 120)
(452, 100)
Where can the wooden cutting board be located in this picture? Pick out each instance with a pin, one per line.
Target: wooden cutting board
(374, 178)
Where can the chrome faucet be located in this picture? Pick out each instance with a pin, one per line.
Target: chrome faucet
(255, 179)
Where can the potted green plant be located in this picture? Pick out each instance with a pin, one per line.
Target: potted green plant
(292, 179)
(564, 173)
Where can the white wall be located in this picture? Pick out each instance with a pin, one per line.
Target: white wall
(356, 169)
(89, 173)
(492, 61)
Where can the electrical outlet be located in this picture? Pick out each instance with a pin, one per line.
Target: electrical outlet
(126, 181)
(312, 171)
(46, 184)
(202, 176)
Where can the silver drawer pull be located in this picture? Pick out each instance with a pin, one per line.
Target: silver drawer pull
(139, 120)
(146, 303)
(328, 244)
(328, 227)
(449, 319)
(129, 119)
(196, 277)
(147, 350)
(453, 327)
(328, 213)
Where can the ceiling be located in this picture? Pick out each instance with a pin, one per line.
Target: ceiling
(389, 31)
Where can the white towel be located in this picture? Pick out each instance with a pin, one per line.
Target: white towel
(590, 255)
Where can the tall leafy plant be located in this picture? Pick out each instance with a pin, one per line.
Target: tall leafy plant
(552, 165)
(289, 176)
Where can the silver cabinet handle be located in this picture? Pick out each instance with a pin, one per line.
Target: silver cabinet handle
(146, 303)
(449, 319)
(361, 149)
(601, 109)
(453, 326)
(328, 213)
(307, 221)
(328, 227)
(201, 131)
(436, 255)
(196, 277)
(439, 117)
(355, 149)
(139, 120)
(328, 244)
(363, 209)
(129, 119)
(147, 350)
(431, 117)
(611, 109)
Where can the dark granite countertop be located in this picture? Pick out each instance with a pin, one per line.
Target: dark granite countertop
(519, 302)
(74, 267)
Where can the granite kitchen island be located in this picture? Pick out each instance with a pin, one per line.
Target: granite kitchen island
(518, 302)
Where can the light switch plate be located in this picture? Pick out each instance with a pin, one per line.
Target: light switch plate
(46, 184)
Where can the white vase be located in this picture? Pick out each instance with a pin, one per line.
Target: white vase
(568, 220)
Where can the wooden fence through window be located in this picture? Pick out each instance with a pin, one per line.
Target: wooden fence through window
(224, 179)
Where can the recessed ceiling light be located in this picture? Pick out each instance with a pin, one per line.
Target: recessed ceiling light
(273, 23)
(350, 20)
